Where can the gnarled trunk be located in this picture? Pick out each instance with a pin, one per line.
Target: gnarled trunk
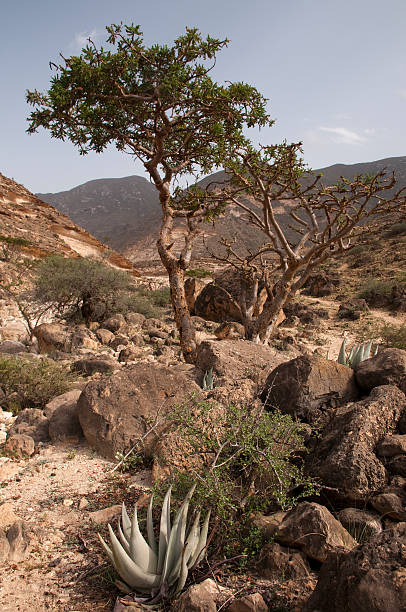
(267, 322)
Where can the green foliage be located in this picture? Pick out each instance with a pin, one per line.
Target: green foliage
(81, 286)
(243, 460)
(357, 354)
(198, 273)
(31, 383)
(394, 336)
(156, 567)
(150, 303)
(9, 246)
(376, 291)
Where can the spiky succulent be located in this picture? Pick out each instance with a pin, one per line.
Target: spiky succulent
(156, 568)
(358, 353)
(208, 380)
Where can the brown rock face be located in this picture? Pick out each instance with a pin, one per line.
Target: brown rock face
(198, 598)
(276, 561)
(250, 603)
(193, 287)
(314, 530)
(345, 457)
(308, 386)
(116, 411)
(388, 367)
(52, 337)
(214, 304)
(31, 422)
(371, 578)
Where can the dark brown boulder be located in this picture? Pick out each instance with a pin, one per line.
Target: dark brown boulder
(91, 365)
(352, 309)
(31, 422)
(360, 524)
(387, 367)
(308, 386)
(345, 457)
(275, 561)
(215, 304)
(116, 411)
(370, 578)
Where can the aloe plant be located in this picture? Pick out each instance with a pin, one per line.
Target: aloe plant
(359, 352)
(156, 568)
(208, 380)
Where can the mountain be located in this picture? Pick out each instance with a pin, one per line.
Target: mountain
(126, 211)
(118, 211)
(46, 230)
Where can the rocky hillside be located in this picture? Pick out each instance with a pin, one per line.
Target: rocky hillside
(45, 229)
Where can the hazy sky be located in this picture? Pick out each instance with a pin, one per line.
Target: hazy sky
(334, 73)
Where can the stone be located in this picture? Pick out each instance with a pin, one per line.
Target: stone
(198, 598)
(114, 323)
(362, 525)
(31, 422)
(397, 465)
(387, 367)
(116, 411)
(308, 386)
(344, 457)
(193, 288)
(352, 309)
(311, 528)
(236, 359)
(69, 398)
(4, 547)
(230, 330)
(12, 347)
(389, 505)
(91, 365)
(370, 578)
(106, 515)
(402, 423)
(320, 284)
(52, 337)
(269, 525)
(130, 353)
(104, 335)
(83, 338)
(64, 422)
(276, 561)
(250, 603)
(19, 445)
(391, 446)
(119, 341)
(135, 318)
(216, 304)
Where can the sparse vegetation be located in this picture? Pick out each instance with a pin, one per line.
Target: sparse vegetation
(394, 336)
(376, 292)
(10, 246)
(198, 273)
(31, 383)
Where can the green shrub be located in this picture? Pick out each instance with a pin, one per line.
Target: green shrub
(31, 384)
(394, 336)
(198, 273)
(81, 287)
(248, 463)
(376, 292)
(10, 245)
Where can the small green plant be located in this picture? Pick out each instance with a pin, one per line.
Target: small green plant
(394, 336)
(359, 352)
(198, 273)
(31, 384)
(152, 567)
(129, 462)
(376, 292)
(10, 246)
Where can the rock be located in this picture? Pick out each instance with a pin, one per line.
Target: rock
(69, 398)
(276, 561)
(398, 297)
(308, 386)
(83, 338)
(4, 547)
(193, 288)
(114, 323)
(250, 603)
(387, 367)
(299, 313)
(229, 330)
(320, 284)
(106, 515)
(31, 422)
(130, 353)
(7, 515)
(392, 445)
(92, 365)
(314, 530)
(104, 335)
(352, 309)
(52, 337)
(360, 524)
(198, 598)
(389, 505)
(153, 324)
(371, 578)
(64, 422)
(18, 540)
(115, 412)
(19, 445)
(269, 525)
(402, 423)
(119, 341)
(12, 347)
(236, 359)
(344, 457)
(397, 465)
(135, 318)
(215, 304)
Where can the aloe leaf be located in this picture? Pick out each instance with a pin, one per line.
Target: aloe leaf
(376, 351)
(177, 539)
(129, 571)
(106, 548)
(141, 553)
(367, 352)
(341, 357)
(150, 528)
(125, 519)
(123, 539)
(165, 529)
(200, 548)
(182, 574)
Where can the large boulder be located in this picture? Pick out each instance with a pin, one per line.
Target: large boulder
(370, 578)
(345, 456)
(116, 411)
(62, 412)
(31, 422)
(12, 347)
(387, 367)
(215, 304)
(52, 337)
(311, 528)
(362, 525)
(308, 386)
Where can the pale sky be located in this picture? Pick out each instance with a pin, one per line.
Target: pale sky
(334, 73)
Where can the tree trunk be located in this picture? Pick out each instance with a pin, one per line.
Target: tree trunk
(266, 324)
